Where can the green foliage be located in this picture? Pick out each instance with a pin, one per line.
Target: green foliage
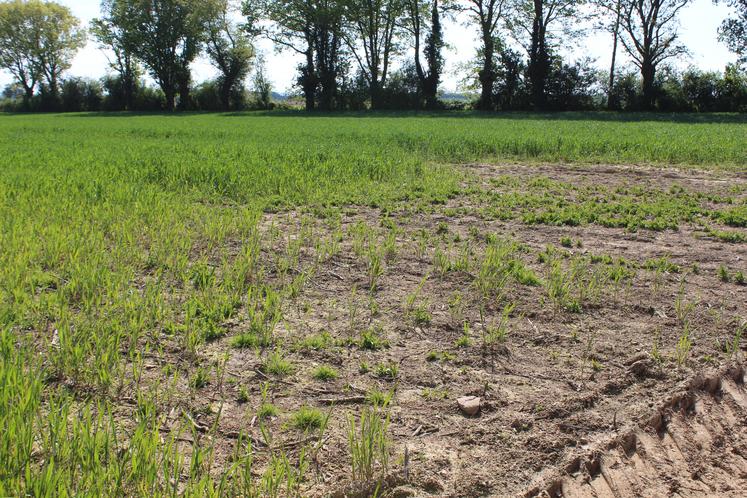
(38, 41)
(230, 50)
(166, 36)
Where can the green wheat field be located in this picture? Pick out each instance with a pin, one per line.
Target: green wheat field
(141, 256)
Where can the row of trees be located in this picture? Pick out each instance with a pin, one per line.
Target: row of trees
(573, 87)
(348, 46)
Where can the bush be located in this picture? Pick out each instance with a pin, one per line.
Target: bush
(690, 91)
(573, 87)
(402, 90)
(206, 96)
(510, 89)
(79, 94)
(148, 98)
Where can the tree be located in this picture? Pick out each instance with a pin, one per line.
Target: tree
(327, 41)
(609, 17)
(38, 41)
(291, 28)
(534, 24)
(371, 37)
(59, 37)
(487, 14)
(509, 90)
(733, 31)
(262, 85)
(651, 35)
(230, 51)
(166, 35)
(312, 29)
(114, 37)
(17, 43)
(418, 25)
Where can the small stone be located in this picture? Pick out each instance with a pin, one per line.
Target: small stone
(469, 405)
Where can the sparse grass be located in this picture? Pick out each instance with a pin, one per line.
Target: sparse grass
(276, 364)
(267, 410)
(465, 340)
(368, 444)
(387, 371)
(325, 373)
(379, 398)
(728, 236)
(246, 340)
(733, 346)
(682, 349)
(434, 394)
(243, 395)
(200, 378)
(315, 342)
(723, 273)
(371, 340)
(662, 264)
(306, 419)
(444, 356)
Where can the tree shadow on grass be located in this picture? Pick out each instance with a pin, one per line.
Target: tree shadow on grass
(602, 116)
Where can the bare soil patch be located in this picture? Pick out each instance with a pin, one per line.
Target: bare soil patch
(558, 382)
(694, 444)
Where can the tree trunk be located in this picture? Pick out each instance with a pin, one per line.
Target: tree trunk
(611, 104)
(328, 90)
(308, 81)
(326, 54)
(129, 93)
(170, 94)
(433, 48)
(225, 93)
(28, 94)
(128, 86)
(375, 93)
(648, 75)
(185, 98)
(539, 60)
(431, 93)
(418, 65)
(487, 74)
(54, 90)
(308, 93)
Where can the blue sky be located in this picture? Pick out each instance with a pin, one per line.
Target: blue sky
(699, 22)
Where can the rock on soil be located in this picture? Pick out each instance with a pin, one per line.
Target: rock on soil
(470, 405)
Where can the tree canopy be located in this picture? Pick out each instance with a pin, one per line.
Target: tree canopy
(38, 41)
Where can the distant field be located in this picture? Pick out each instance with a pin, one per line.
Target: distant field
(279, 304)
